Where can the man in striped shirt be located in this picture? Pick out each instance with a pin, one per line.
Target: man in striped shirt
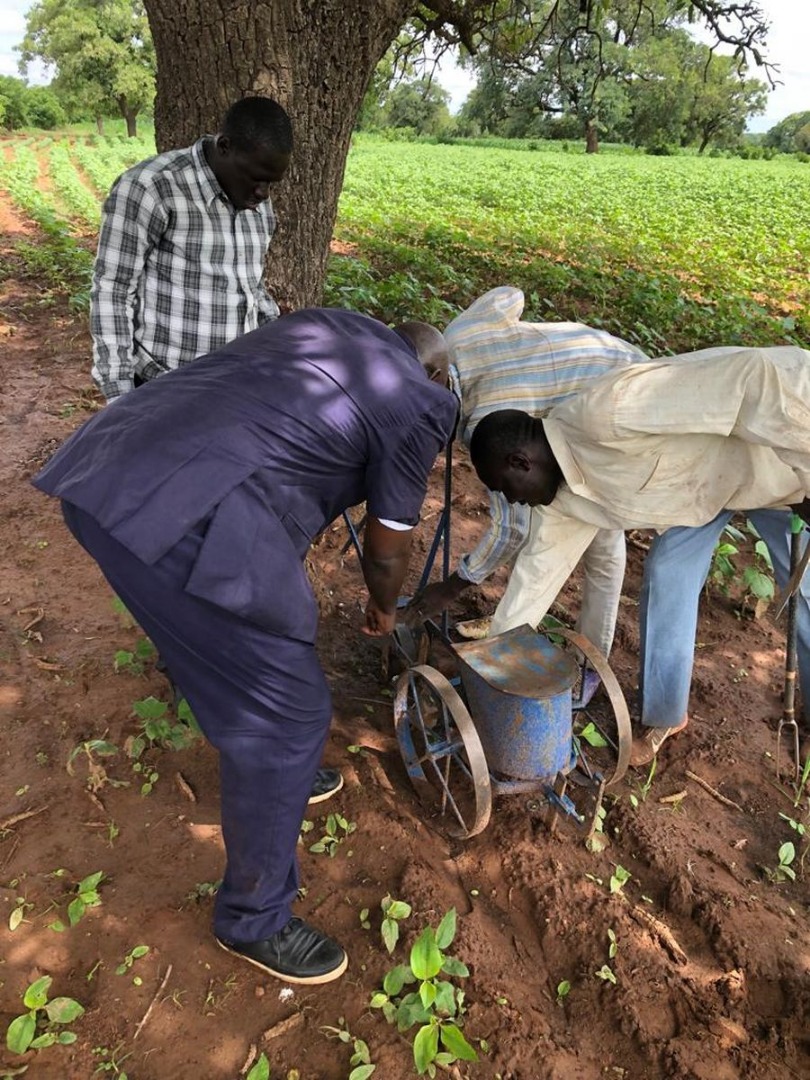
(182, 248)
(499, 362)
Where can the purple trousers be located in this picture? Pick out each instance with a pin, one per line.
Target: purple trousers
(261, 700)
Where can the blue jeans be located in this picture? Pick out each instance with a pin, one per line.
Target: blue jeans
(674, 574)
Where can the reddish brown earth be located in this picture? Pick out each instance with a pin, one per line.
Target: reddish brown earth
(713, 958)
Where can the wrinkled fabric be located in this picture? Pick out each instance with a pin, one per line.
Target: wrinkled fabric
(270, 438)
(677, 441)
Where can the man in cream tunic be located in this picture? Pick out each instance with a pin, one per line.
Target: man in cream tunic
(676, 445)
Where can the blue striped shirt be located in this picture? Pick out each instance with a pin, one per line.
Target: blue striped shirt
(499, 362)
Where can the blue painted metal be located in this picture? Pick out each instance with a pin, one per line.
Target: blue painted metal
(518, 686)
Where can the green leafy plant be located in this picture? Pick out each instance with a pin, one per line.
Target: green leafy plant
(133, 661)
(87, 896)
(592, 736)
(643, 790)
(783, 870)
(43, 1016)
(111, 1062)
(129, 960)
(563, 990)
(393, 911)
(260, 1070)
(362, 1066)
(437, 1005)
(21, 905)
(336, 831)
(619, 878)
(597, 841)
(93, 750)
(158, 729)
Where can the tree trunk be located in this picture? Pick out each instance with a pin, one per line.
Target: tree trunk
(591, 137)
(315, 59)
(131, 117)
(100, 124)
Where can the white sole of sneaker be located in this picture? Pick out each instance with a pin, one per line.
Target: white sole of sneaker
(310, 980)
(326, 795)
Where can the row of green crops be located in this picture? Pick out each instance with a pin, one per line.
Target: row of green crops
(674, 253)
(678, 252)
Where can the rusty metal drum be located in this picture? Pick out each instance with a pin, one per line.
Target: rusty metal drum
(518, 687)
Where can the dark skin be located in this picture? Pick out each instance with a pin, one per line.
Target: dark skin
(245, 175)
(385, 562)
(386, 552)
(529, 475)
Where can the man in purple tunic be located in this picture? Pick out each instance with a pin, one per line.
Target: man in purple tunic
(198, 497)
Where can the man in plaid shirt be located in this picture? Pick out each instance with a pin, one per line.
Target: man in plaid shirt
(182, 247)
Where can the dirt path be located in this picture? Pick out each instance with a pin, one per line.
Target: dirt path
(711, 960)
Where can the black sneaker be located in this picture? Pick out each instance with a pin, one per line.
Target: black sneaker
(328, 782)
(297, 954)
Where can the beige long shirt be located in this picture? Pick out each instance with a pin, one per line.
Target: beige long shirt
(675, 441)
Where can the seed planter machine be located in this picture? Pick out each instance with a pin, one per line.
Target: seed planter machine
(507, 719)
(509, 722)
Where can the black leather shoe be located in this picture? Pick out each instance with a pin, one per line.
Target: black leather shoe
(328, 782)
(298, 954)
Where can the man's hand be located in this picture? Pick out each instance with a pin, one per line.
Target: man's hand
(378, 622)
(434, 599)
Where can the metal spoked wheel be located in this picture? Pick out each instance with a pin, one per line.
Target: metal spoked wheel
(611, 721)
(442, 752)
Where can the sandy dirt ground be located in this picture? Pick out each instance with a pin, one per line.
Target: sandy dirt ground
(712, 957)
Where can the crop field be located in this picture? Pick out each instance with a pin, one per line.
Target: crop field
(673, 253)
(670, 942)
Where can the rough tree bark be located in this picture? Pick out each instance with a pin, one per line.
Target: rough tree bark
(316, 58)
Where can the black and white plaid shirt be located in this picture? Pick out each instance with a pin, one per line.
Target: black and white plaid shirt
(178, 270)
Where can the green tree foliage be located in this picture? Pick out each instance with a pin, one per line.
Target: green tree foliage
(631, 75)
(102, 52)
(28, 106)
(785, 135)
(419, 104)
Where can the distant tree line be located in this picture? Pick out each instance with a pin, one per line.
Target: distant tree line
(629, 73)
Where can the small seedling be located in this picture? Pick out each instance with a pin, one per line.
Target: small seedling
(21, 905)
(133, 661)
(204, 890)
(393, 911)
(96, 773)
(597, 841)
(260, 1070)
(619, 878)
(592, 736)
(436, 1006)
(129, 960)
(786, 855)
(86, 897)
(563, 990)
(643, 790)
(112, 1062)
(361, 1056)
(605, 973)
(158, 729)
(44, 1016)
(337, 830)
(613, 943)
(366, 925)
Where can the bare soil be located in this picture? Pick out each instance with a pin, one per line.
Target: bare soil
(713, 960)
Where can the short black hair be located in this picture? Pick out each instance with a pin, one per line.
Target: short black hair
(258, 121)
(499, 434)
